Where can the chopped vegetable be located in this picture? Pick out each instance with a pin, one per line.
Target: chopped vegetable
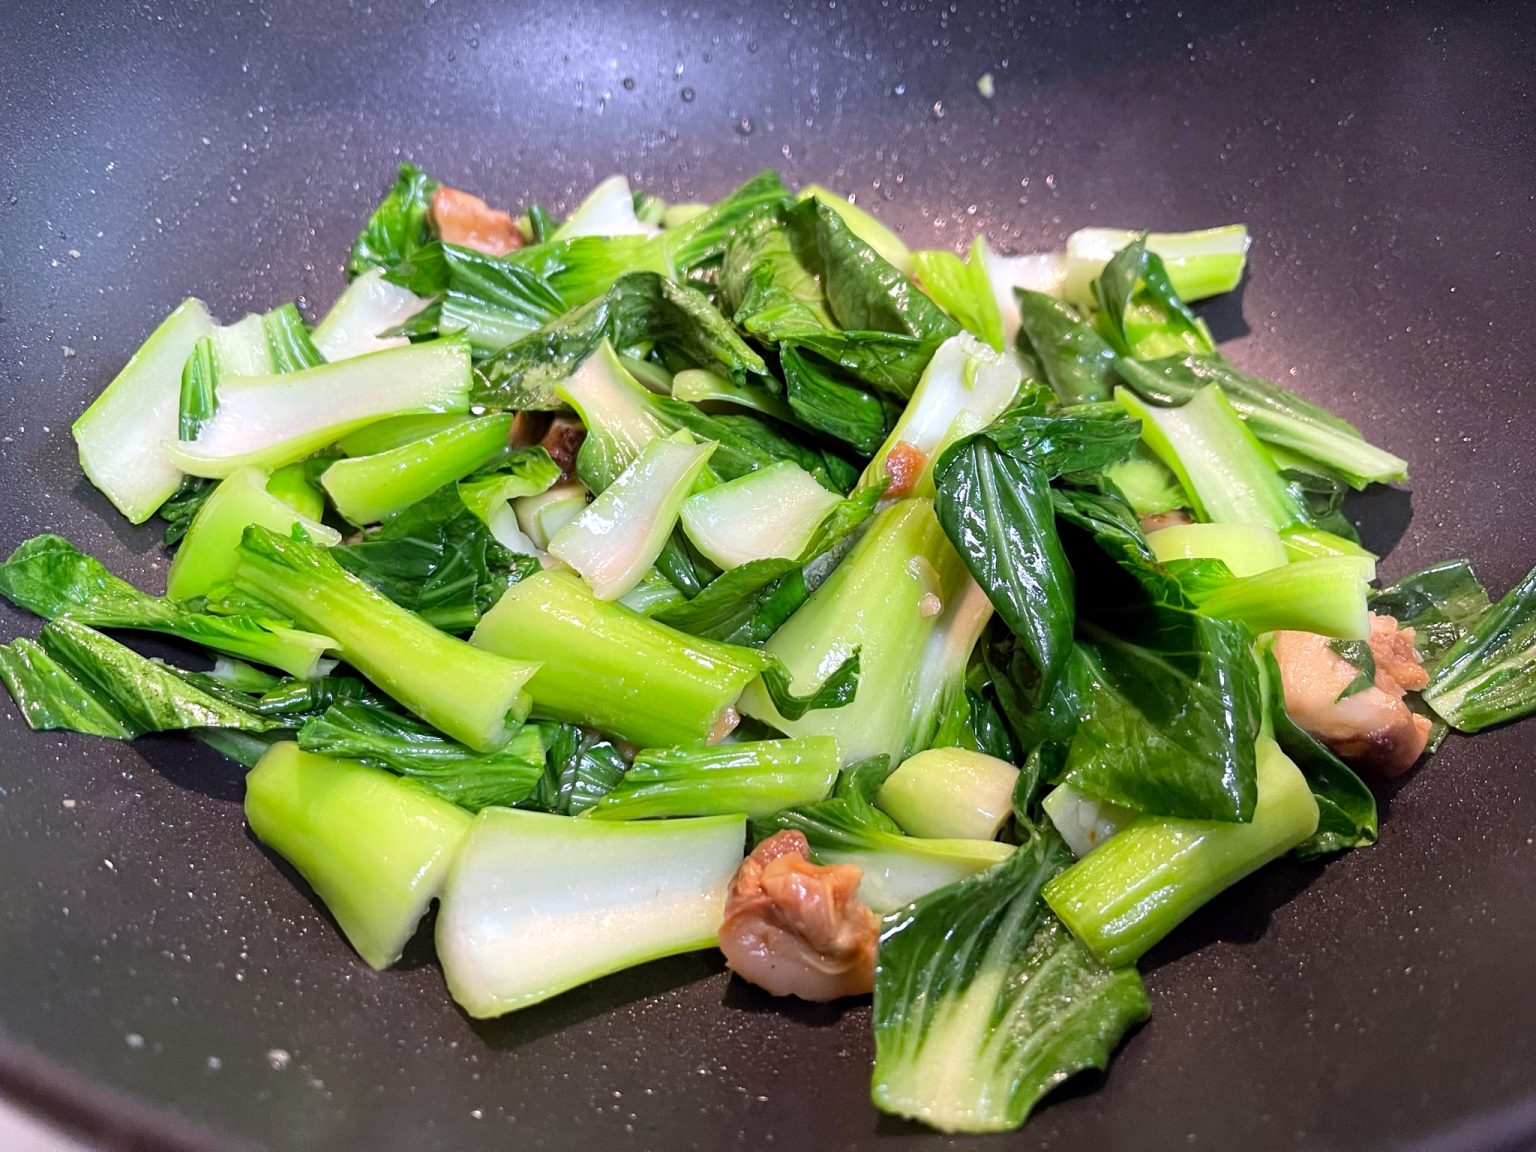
(273, 420)
(756, 778)
(375, 848)
(474, 696)
(1136, 886)
(1489, 675)
(207, 556)
(984, 1002)
(617, 537)
(950, 792)
(603, 665)
(771, 513)
(537, 903)
(122, 435)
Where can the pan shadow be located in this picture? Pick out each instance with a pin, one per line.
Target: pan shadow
(740, 996)
(1223, 314)
(192, 766)
(597, 998)
(1239, 915)
(1382, 514)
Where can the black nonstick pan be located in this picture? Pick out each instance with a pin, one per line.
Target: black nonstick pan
(164, 983)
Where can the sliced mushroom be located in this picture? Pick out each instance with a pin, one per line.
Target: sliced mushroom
(468, 221)
(904, 463)
(1372, 728)
(1170, 519)
(796, 928)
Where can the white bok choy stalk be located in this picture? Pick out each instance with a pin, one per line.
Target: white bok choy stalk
(268, 421)
(772, 512)
(617, 537)
(538, 904)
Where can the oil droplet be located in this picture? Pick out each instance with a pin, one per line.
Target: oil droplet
(937, 111)
(278, 1058)
(744, 127)
(629, 83)
(687, 95)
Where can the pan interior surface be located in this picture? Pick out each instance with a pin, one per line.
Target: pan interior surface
(1384, 161)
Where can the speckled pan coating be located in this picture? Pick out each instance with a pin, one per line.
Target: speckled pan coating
(1384, 158)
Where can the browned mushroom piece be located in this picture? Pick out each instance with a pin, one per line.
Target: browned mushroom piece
(1170, 519)
(796, 928)
(904, 463)
(468, 221)
(1372, 729)
(562, 440)
(560, 436)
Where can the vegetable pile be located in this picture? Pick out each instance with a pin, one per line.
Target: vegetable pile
(1000, 615)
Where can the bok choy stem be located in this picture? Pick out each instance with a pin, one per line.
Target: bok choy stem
(474, 696)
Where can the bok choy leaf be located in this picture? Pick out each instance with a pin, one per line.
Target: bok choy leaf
(1488, 676)
(369, 734)
(438, 559)
(48, 576)
(398, 225)
(77, 679)
(984, 1002)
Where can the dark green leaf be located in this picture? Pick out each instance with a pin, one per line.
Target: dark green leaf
(389, 739)
(48, 576)
(640, 308)
(49, 699)
(702, 240)
(178, 511)
(1441, 604)
(995, 508)
(542, 224)
(1140, 314)
(438, 559)
(1071, 355)
(747, 604)
(838, 689)
(288, 342)
(1357, 654)
(299, 698)
(493, 300)
(831, 471)
(1321, 500)
(139, 695)
(398, 225)
(984, 1002)
(861, 780)
(1170, 714)
(800, 278)
(1488, 677)
(199, 389)
(579, 770)
(995, 504)
(826, 402)
(1169, 700)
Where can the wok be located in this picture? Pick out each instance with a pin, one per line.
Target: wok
(166, 984)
